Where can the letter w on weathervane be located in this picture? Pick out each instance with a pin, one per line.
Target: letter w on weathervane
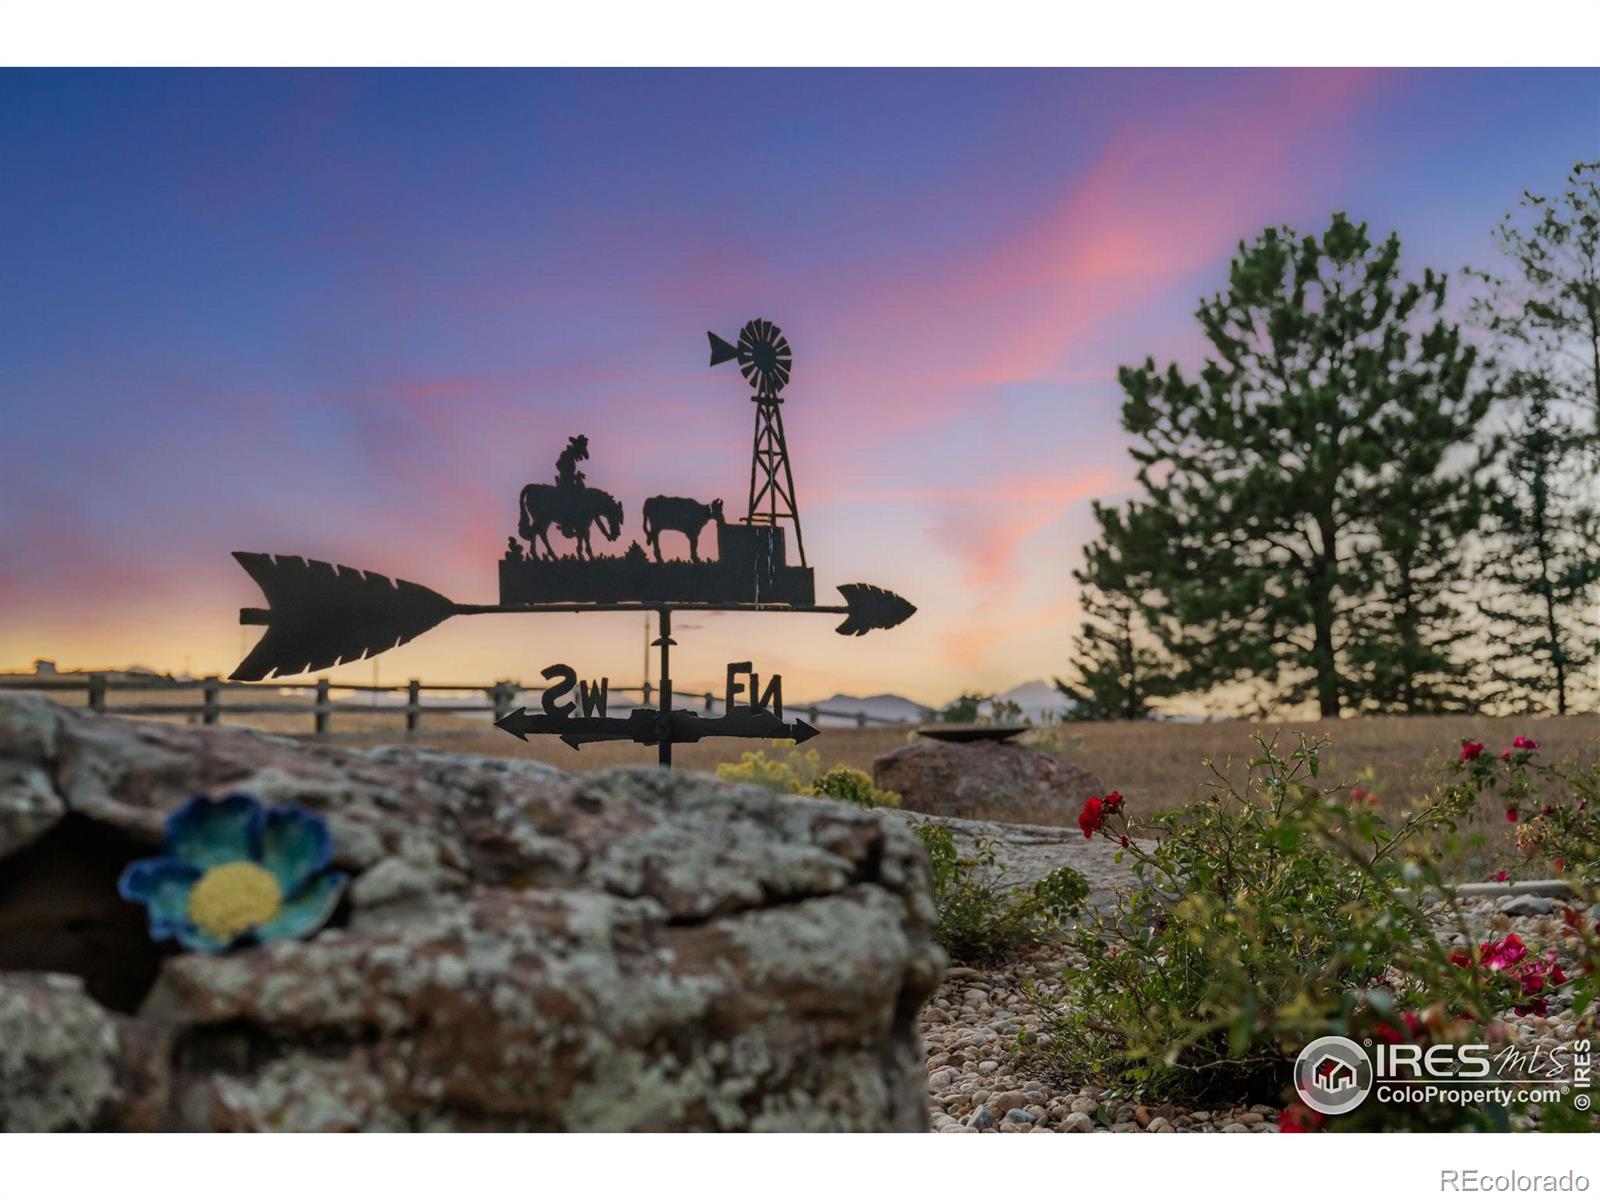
(591, 696)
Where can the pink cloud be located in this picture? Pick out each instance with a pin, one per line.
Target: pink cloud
(985, 530)
(1161, 200)
(968, 647)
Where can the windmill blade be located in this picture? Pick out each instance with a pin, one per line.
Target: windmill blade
(320, 614)
(721, 351)
(871, 607)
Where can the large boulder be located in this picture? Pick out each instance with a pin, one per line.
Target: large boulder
(519, 949)
(986, 781)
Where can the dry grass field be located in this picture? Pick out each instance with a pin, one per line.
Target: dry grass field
(1156, 766)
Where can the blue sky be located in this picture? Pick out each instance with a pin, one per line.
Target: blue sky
(349, 313)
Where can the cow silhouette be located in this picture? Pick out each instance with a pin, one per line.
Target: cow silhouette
(575, 511)
(688, 517)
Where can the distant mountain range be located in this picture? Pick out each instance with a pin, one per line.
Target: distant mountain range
(1036, 698)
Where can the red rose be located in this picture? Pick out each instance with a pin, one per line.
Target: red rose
(1470, 750)
(1511, 813)
(1092, 817)
(1498, 877)
(1504, 954)
(1113, 801)
(1523, 743)
(1297, 1118)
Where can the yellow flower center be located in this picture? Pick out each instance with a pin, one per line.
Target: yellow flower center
(230, 899)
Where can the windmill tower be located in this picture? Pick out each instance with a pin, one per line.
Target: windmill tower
(764, 358)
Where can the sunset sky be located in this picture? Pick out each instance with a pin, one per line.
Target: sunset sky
(348, 315)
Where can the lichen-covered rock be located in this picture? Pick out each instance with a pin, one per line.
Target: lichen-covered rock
(986, 781)
(29, 807)
(68, 1064)
(520, 949)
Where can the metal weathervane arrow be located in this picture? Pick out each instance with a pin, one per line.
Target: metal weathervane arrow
(319, 614)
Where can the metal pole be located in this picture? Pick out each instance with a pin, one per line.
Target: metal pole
(664, 717)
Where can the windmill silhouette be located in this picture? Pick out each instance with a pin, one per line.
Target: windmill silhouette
(764, 359)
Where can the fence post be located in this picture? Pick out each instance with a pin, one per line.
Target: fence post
(211, 690)
(321, 708)
(861, 720)
(500, 697)
(711, 702)
(812, 715)
(413, 705)
(646, 690)
(97, 693)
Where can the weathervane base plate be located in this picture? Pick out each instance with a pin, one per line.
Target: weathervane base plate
(749, 569)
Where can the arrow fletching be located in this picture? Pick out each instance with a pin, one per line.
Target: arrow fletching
(871, 608)
(320, 614)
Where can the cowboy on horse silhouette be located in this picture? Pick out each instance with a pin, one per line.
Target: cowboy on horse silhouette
(570, 505)
(567, 473)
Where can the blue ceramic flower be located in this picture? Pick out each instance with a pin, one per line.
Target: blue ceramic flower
(234, 872)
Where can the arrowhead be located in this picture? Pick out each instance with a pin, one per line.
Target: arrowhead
(721, 351)
(321, 614)
(571, 740)
(804, 732)
(871, 608)
(512, 723)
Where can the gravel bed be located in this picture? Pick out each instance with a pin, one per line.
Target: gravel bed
(979, 1082)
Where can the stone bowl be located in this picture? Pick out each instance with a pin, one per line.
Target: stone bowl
(971, 733)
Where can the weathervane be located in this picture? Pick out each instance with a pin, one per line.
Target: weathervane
(319, 614)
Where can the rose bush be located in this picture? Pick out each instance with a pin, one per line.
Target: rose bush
(1277, 911)
(1555, 806)
(981, 919)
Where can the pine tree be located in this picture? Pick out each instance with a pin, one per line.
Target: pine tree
(1119, 668)
(1405, 648)
(1544, 316)
(1281, 480)
(1542, 556)
(1542, 572)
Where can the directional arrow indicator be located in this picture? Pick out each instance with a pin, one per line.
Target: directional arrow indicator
(320, 614)
(643, 726)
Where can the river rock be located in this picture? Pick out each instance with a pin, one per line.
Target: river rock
(986, 781)
(519, 949)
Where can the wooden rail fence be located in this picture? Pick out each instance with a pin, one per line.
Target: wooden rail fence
(500, 698)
